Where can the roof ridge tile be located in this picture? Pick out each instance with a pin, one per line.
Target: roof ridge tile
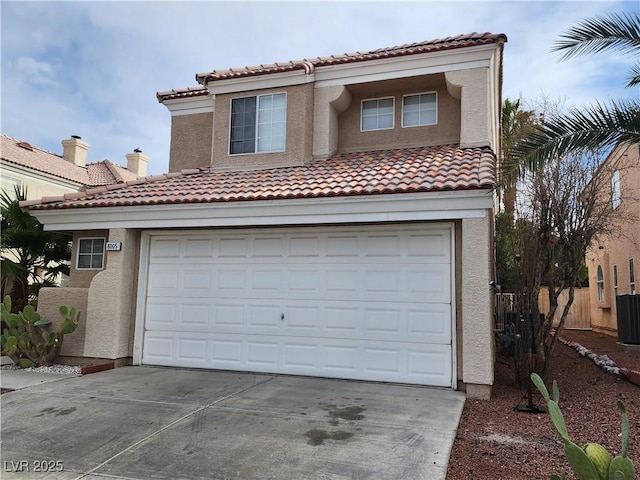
(446, 43)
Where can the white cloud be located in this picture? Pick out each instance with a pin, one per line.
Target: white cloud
(99, 64)
(38, 73)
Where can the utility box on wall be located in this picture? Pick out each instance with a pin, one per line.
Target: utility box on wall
(628, 307)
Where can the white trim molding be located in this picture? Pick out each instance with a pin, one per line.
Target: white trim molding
(190, 106)
(405, 207)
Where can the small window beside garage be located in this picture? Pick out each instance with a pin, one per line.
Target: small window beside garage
(90, 254)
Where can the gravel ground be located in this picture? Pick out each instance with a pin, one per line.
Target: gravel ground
(495, 441)
(50, 369)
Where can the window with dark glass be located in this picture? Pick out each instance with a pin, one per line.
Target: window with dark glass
(90, 254)
(258, 124)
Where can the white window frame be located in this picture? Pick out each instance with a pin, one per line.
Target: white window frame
(78, 254)
(615, 280)
(261, 126)
(632, 277)
(616, 194)
(599, 284)
(404, 97)
(377, 114)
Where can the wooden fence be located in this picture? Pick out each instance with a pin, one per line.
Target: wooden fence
(507, 308)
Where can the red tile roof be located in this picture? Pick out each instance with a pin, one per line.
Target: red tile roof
(379, 172)
(440, 44)
(23, 154)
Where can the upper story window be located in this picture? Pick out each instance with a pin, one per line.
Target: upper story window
(632, 278)
(615, 280)
(258, 124)
(419, 109)
(600, 285)
(90, 254)
(377, 114)
(615, 189)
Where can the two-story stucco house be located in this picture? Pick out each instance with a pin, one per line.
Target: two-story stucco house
(613, 260)
(327, 217)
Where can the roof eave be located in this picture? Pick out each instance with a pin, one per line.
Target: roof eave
(397, 207)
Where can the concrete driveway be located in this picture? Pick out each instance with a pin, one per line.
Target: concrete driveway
(165, 423)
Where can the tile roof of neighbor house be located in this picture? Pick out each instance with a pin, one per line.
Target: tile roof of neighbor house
(398, 171)
(428, 46)
(23, 154)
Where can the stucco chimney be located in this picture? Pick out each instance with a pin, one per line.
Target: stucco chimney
(75, 150)
(137, 163)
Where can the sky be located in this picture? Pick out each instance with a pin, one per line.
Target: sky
(93, 68)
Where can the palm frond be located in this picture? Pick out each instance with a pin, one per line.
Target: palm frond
(615, 32)
(598, 126)
(11, 269)
(633, 77)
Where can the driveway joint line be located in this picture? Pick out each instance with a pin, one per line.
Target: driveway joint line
(170, 425)
(242, 390)
(142, 440)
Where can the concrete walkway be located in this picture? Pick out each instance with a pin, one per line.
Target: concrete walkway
(19, 379)
(165, 423)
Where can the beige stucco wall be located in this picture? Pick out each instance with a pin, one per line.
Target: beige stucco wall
(477, 312)
(111, 300)
(191, 137)
(473, 87)
(39, 186)
(82, 278)
(299, 134)
(619, 247)
(446, 131)
(49, 302)
(329, 103)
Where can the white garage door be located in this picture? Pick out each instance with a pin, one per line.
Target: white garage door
(370, 303)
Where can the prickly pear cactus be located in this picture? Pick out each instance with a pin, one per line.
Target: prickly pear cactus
(600, 458)
(27, 340)
(591, 462)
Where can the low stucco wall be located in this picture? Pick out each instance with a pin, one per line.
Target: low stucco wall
(49, 302)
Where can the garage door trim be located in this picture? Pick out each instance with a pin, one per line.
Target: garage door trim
(148, 236)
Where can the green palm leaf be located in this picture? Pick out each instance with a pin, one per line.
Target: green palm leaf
(616, 33)
(598, 126)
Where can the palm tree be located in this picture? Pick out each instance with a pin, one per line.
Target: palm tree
(30, 256)
(516, 124)
(603, 124)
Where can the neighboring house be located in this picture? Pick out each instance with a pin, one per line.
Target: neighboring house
(45, 174)
(328, 217)
(614, 260)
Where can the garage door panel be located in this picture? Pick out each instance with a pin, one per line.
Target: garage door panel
(195, 248)
(264, 316)
(435, 246)
(429, 323)
(369, 303)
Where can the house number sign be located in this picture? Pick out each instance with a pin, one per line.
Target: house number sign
(114, 246)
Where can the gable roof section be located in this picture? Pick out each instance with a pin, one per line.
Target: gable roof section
(108, 173)
(309, 65)
(25, 155)
(407, 170)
